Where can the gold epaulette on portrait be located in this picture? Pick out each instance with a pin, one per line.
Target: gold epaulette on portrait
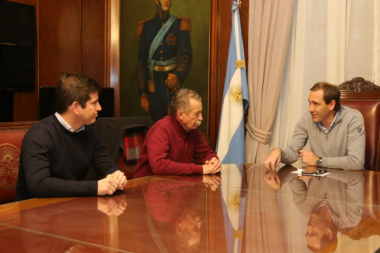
(185, 24)
(140, 26)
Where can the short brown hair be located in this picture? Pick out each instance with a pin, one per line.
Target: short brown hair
(181, 101)
(74, 87)
(330, 92)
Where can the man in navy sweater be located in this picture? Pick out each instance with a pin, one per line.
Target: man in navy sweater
(57, 151)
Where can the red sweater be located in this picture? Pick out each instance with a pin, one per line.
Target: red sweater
(168, 199)
(168, 149)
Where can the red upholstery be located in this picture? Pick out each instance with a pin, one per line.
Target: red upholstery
(370, 223)
(365, 97)
(10, 147)
(371, 114)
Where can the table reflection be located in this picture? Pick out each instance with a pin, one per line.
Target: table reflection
(244, 209)
(75, 224)
(332, 204)
(173, 213)
(233, 200)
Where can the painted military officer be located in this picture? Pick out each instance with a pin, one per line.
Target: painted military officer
(164, 59)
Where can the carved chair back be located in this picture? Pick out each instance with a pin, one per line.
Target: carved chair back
(365, 97)
(11, 136)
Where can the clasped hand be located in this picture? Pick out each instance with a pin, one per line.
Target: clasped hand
(111, 183)
(212, 180)
(212, 167)
(112, 205)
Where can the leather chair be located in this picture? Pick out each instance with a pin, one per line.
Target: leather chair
(123, 138)
(11, 136)
(370, 224)
(365, 97)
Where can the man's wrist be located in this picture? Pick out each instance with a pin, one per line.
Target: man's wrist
(319, 162)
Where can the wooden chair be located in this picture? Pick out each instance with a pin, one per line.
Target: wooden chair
(11, 136)
(365, 97)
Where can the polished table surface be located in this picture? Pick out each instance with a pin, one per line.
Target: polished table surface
(250, 211)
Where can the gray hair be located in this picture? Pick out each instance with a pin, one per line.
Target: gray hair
(181, 101)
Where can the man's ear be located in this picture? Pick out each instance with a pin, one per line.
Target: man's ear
(329, 234)
(179, 229)
(75, 107)
(332, 105)
(180, 114)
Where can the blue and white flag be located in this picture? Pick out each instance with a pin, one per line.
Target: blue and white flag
(233, 205)
(231, 145)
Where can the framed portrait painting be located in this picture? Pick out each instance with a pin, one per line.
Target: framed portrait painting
(164, 46)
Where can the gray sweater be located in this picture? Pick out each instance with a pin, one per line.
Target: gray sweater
(342, 147)
(343, 191)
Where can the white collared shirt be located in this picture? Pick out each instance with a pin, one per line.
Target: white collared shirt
(66, 125)
(321, 126)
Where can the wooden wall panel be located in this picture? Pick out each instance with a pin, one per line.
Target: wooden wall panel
(93, 39)
(30, 2)
(244, 11)
(23, 109)
(58, 50)
(112, 59)
(59, 39)
(71, 38)
(81, 36)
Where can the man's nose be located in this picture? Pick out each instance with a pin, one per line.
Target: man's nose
(98, 107)
(200, 117)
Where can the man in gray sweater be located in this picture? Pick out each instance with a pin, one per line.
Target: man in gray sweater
(336, 134)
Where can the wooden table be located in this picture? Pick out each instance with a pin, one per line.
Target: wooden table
(246, 213)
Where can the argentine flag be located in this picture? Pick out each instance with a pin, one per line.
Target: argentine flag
(233, 192)
(231, 146)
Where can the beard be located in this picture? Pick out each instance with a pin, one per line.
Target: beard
(198, 123)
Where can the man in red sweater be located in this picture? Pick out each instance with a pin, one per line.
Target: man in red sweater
(173, 141)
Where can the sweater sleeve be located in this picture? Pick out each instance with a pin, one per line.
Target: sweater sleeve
(202, 151)
(290, 154)
(354, 192)
(35, 162)
(354, 160)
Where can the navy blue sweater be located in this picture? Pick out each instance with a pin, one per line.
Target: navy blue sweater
(54, 161)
